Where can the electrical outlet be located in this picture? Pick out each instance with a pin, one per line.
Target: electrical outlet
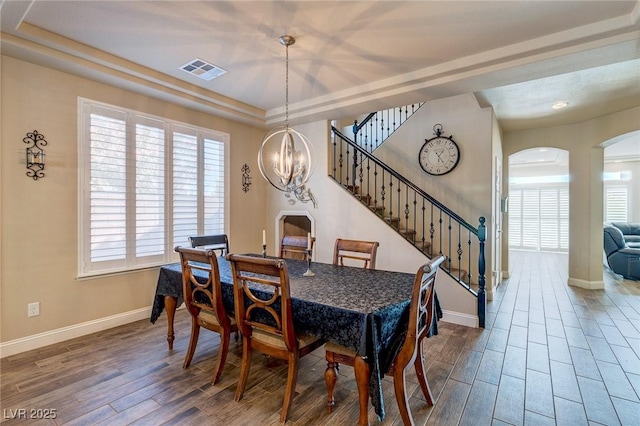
(33, 309)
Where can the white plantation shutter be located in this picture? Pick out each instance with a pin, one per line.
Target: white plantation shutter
(150, 198)
(539, 218)
(549, 223)
(185, 188)
(515, 218)
(530, 219)
(146, 184)
(563, 218)
(214, 173)
(108, 188)
(616, 203)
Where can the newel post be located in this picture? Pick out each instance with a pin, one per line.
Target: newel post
(482, 297)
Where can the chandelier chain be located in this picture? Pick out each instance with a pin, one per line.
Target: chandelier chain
(286, 84)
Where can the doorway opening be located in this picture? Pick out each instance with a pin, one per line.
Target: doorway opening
(538, 205)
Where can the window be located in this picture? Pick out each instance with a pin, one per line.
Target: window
(616, 196)
(145, 185)
(539, 218)
(616, 204)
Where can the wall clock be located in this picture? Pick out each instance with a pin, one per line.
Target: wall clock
(440, 154)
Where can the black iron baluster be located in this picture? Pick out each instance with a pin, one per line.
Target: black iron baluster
(460, 249)
(415, 216)
(432, 232)
(424, 209)
(482, 303)
(391, 199)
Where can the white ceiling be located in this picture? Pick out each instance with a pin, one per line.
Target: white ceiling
(350, 57)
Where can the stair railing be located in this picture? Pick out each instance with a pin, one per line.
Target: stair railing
(421, 219)
(376, 127)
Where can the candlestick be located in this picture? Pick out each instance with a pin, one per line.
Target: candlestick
(309, 272)
(308, 240)
(264, 250)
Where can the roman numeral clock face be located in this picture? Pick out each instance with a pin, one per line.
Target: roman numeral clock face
(439, 155)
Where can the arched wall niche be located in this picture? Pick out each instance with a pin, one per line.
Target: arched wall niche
(294, 222)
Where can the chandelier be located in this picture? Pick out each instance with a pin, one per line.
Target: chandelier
(286, 157)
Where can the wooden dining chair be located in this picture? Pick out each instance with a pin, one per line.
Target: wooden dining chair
(421, 311)
(295, 247)
(265, 318)
(355, 250)
(212, 242)
(204, 303)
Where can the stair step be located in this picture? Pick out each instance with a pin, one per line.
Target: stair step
(366, 199)
(394, 221)
(423, 246)
(377, 209)
(409, 234)
(353, 189)
(461, 273)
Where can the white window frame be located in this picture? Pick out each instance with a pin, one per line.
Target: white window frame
(87, 267)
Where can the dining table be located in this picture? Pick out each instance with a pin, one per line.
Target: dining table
(363, 309)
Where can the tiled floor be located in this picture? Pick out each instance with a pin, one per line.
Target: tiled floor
(559, 354)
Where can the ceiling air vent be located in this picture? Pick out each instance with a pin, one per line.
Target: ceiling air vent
(203, 69)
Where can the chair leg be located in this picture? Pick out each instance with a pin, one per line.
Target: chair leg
(292, 378)
(422, 376)
(193, 342)
(225, 337)
(330, 378)
(362, 372)
(399, 384)
(245, 367)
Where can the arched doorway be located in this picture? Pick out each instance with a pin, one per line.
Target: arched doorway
(538, 204)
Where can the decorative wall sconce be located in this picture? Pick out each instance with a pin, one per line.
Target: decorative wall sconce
(246, 179)
(35, 154)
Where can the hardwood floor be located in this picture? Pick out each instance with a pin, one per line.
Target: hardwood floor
(551, 354)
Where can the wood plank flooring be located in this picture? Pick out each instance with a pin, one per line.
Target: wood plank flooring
(551, 354)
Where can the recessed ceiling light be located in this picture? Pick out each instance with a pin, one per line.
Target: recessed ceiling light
(559, 105)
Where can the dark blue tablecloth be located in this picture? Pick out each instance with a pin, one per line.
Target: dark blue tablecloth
(363, 309)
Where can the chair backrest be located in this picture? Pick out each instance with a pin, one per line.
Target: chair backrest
(261, 296)
(422, 307)
(295, 247)
(357, 250)
(199, 295)
(212, 242)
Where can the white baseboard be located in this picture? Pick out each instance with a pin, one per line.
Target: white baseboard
(460, 319)
(589, 285)
(36, 341)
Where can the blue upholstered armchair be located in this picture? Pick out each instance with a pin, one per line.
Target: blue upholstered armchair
(622, 248)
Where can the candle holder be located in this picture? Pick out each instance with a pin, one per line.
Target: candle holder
(309, 272)
(264, 250)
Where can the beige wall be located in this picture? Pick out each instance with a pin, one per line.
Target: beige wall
(39, 228)
(468, 189)
(584, 142)
(338, 215)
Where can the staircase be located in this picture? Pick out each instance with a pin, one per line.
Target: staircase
(378, 126)
(421, 220)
